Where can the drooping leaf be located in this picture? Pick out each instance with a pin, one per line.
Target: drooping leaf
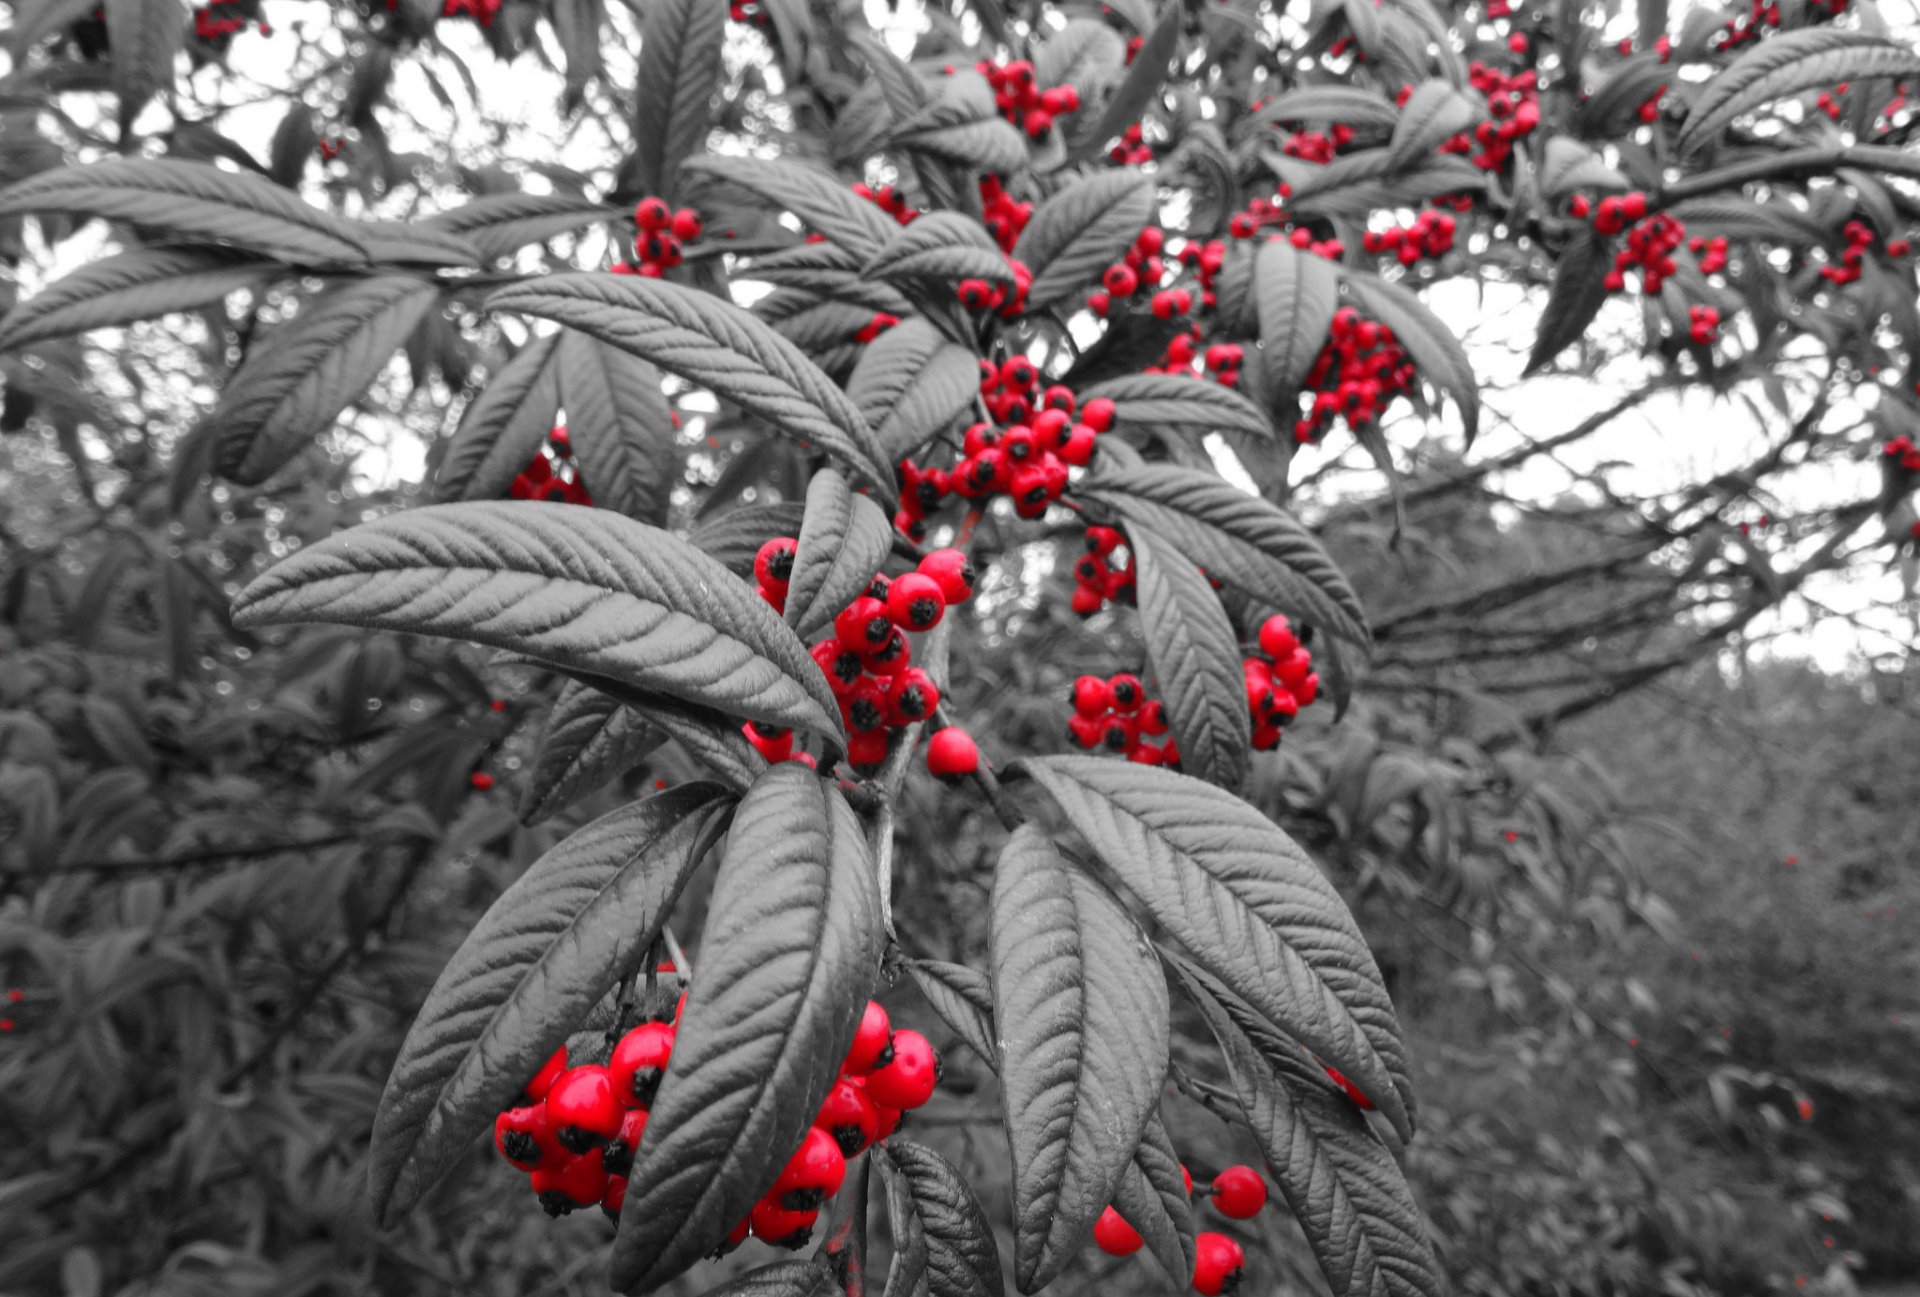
(1433, 112)
(789, 955)
(1295, 295)
(963, 997)
(1244, 540)
(1081, 230)
(504, 428)
(584, 589)
(1433, 345)
(578, 921)
(1574, 298)
(942, 246)
(717, 345)
(194, 201)
(907, 1259)
(1081, 1010)
(298, 381)
(962, 1257)
(1175, 401)
(1343, 1185)
(821, 202)
(1152, 1197)
(590, 738)
(497, 224)
(843, 540)
(1788, 63)
(1248, 904)
(619, 426)
(680, 66)
(911, 383)
(1195, 657)
(135, 285)
(1145, 75)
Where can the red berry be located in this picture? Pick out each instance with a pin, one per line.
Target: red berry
(1114, 1236)
(863, 624)
(1120, 281)
(1091, 696)
(652, 214)
(813, 1174)
(481, 781)
(916, 602)
(1127, 692)
(850, 1116)
(1239, 1192)
(1098, 414)
(774, 1224)
(638, 1062)
(1217, 1263)
(524, 1136)
(1293, 668)
(686, 225)
(952, 569)
(549, 1073)
(576, 1182)
(912, 697)
(908, 1079)
(773, 565)
(866, 750)
(618, 1154)
(615, 1197)
(952, 755)
(1277, 639)
(583, 1108)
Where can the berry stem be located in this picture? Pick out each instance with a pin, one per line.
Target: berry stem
(680, 960)
(989, 784)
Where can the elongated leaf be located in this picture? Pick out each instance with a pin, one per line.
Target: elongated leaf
(504, 428)
(146, 36)
(581, 588)
(1248, 904)
(1786, 64)
(298, 381)
(578, 921)
(789, 955)
(1083, 54)
(1342, 1184)
(497, 224)
(843, 540)
(1081, 230)
(1152, 1197)
(1331, 103)
(1574, 298)
(907, 1264)
(943, 246)
(735, 537)
(963, 997)
(194, 201)
(962, 1257)
(911, 383)
(620, 427)
(1244, 540)
(821, 202)
(680, 67)
(1615, 102)
(711, 737)
(1433, 112)
(1295, 294)
(1433, 345)
(812, 1277)
(1743, 218)
(1144, 78)
(398, 243)
(1081, 1008)
(590, 738)
(987, 143)
(717, 345)
(1569, 165)
(135, 285)
(1195, 657)
(1177, 401)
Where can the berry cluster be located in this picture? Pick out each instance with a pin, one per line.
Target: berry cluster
(1046, 433)
(1103, 575)
(553, 474)
(1260, 212)
(1703, 324)
(481, 11)
(1238, 1193)
(1762, 14)
(1317, 146)
(1430, 235)
(1133, 149)
(1650, 247)
(1860, 237)
(868, 659)
(1356, 376)
(578, 1131)
(1280, 680)
(1902, 452)
(1141, 269)
(1221, 360)
(663, 233)
(1003, 215)
(1829, 103)
(1513, 107)
(1022, 101)
(1712, 252)
(891, 201)
(220, 20)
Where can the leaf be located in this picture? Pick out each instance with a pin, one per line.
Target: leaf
(1248, 542)
(1081, 1007)
(1569, 165)
(194, 201)
(911, 383)
(1176, 401)
(1574, 298)
(135, 285)
(963, 997)
(620, 427)
(1614, 104)
(680, 70)
(1081, 230)
(1435, 111)
(498, 224)
(504, 428)
(298, 381)
(1152, 1197)
(812, 1277)
(962, 1257)
(1742, 218)
(1144, 78)
(789, 955)
(1295, 294)
(907, 1259)
(1343, 1186)
(589, 739)
(940, 245)
(1248, 904)
(735, 537)
(1195, 657)
(822, 202)
(1786, 64)
(844, 538)
(1431, 343)
(584, 589)
(33, 23)
(146, 36)
(1082, 54)
(574, 925)
(717, 345)
(962, 126)
(1361, 109)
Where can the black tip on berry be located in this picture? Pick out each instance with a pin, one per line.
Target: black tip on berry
(879, 588)
(850, 1138)
(796, 1240)
(520, 1148)
(646, 1081)
(555, 1203)
(617, 1157)
(576, 1140)
(802, 1199)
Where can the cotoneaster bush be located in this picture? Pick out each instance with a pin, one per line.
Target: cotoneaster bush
(837, 330)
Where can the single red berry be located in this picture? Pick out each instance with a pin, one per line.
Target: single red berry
(916, 602)
(850, 1116)
(481, 781)
(1239, 1192)
(1114, 1236)
(524, 1136)
(771, 742)
(864, 706)
(774, 1224)
(773, 565)
(584, 1109)
(549, 1073)
(652, 214)
(952, 755)
(1091, 696)
(686, 225)
(912, 697)
(953, 570)
(1120, 280)
(1098, 414)
(1152, 718)
(618, 1154)
(1127, 692)
(1293, 668)
(908, 1079)
(892, 657)
(575, 1182)
(863, 624)
(1102, 540)
(1217, 1264)
(638, 1062)
(813, 1174)
(1277, 639)
(867, 749)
